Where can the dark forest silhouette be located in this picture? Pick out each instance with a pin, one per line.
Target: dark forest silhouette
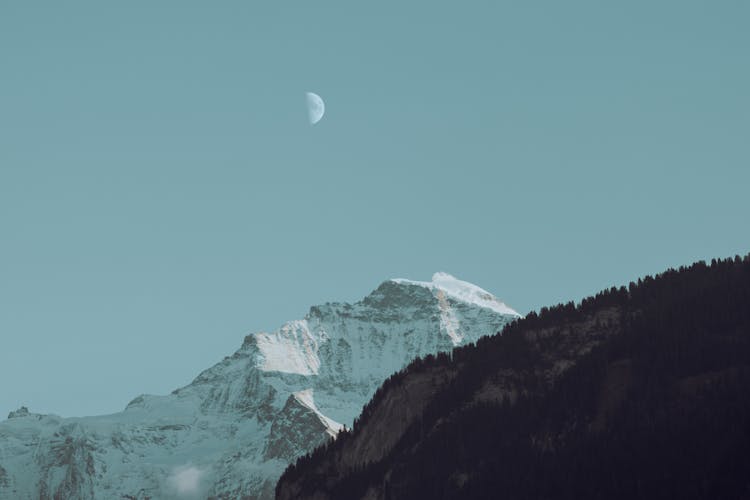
(674, 381)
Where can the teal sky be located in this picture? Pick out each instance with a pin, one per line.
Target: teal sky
(162, 194)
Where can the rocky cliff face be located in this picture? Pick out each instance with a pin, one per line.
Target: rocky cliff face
(232, 431)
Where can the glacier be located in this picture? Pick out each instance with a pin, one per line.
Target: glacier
(232, 431)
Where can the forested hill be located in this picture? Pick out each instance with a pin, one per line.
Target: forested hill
(640, 392)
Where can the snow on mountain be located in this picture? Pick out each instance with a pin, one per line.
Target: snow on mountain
(232, 431)
(462, 291)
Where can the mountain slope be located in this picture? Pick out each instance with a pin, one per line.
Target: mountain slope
(635, 393)
(231, 432)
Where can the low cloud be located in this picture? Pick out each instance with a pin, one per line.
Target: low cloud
(186, 480)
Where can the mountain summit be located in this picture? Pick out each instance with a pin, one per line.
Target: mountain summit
(232, 431)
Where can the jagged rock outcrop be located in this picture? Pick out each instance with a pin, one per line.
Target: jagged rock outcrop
(298, 427)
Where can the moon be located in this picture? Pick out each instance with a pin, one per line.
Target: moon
(315, 107)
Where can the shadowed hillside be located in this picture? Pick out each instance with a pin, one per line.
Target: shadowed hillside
(639, 392)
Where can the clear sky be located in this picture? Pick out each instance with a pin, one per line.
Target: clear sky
(162, 193)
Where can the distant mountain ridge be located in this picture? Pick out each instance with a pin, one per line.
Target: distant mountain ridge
(639, 392)
(233, 430)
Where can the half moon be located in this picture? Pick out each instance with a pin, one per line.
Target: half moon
(315, 107)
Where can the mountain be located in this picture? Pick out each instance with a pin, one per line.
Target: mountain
(232, 431)
(639, 392)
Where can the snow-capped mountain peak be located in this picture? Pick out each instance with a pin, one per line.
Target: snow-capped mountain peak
(240, 422)
(462, 291)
